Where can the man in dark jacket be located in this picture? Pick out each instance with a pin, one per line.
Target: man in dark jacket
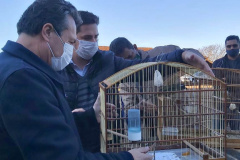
(90, 66)
(231, 59)
(36, 122)
(122, 47)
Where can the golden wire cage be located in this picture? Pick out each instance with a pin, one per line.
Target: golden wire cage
(183, 109)
(232, 78)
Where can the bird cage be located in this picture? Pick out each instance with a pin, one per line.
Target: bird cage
(232, 78)
(181, 109)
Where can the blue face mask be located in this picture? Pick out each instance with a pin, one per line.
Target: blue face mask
(233, 52)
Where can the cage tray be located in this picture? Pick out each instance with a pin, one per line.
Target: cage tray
(175, 154)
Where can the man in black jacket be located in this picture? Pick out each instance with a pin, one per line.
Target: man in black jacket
(35, 120)
(90, 66)
(231, 59)
(122, 47)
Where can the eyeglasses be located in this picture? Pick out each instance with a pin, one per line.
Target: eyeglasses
(234, 46)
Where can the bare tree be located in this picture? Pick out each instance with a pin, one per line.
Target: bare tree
(213, 52)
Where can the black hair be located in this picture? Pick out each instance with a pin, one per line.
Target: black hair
(232, 37)
(41, 12)
(119, 44)
(88, 18)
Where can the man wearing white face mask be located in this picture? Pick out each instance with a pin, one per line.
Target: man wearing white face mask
(87, 49)
(90, 66)
(59, 63)
(35, 120)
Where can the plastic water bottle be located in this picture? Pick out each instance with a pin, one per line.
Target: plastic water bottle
(134, 125)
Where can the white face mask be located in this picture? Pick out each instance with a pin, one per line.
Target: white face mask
(59, 63)
(87, 49)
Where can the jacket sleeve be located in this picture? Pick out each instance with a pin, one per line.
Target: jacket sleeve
(33, 119)
(175, 56)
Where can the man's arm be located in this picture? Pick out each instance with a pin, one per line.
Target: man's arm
(175, 56)
(191, 58)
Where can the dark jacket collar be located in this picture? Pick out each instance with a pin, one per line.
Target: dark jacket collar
(18, 50)
(224, 62)
(226, 57)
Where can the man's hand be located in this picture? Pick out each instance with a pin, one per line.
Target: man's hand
(111, 109)
(140, 153)
(196, 61)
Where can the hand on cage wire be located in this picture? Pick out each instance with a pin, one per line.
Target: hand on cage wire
(141, 153)
(111, 110)
(196, 61)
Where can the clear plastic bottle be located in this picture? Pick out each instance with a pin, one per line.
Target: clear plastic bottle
(134, 125)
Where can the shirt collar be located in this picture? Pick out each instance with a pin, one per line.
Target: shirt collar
(71, 62)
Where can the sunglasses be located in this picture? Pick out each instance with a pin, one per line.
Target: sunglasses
(234, 46)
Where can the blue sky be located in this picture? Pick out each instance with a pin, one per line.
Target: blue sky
(148, 23)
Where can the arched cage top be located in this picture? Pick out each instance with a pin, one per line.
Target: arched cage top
(185, 72)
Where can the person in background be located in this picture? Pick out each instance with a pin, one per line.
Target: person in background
(122, 47)
(231, 59)
(36, 122)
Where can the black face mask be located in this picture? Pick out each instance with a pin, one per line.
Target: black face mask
(233, 52)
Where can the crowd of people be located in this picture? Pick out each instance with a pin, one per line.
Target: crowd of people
(49, 102)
